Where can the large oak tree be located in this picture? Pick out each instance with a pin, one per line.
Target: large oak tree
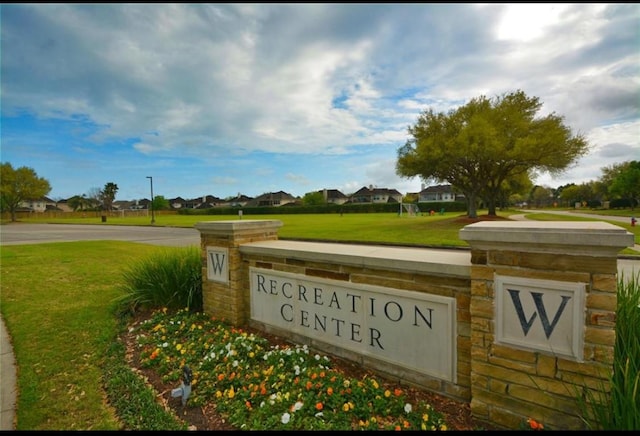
(486, 142)
(18, 185)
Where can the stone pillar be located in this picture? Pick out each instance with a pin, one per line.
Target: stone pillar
(543, 302)
(225, 280)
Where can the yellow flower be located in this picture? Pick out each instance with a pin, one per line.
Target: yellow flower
(375, 383)
(387, 393)
(179, 347)
(231, 392)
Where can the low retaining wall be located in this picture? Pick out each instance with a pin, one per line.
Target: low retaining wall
(516, 326)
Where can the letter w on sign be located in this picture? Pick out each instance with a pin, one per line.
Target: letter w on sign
(218, 264)
(540, 310)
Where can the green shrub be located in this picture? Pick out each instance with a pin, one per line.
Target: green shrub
(170, 278)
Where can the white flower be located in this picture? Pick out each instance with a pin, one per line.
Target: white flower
(319, 415)
(165, 345)
(317, 357)
(297, 406)
(285, 418)
(407, 408)
(296, 369)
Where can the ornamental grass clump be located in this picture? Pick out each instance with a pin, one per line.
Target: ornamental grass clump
(619, 409)
(259, 386)
(171, 277)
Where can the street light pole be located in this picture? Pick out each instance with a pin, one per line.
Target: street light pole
(153, 218)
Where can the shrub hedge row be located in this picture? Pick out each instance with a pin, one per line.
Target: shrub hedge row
(328, 208)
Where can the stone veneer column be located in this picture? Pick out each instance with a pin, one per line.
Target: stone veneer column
(517, 269)
(225, 283)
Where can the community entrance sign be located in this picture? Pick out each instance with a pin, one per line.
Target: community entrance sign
(412, 329)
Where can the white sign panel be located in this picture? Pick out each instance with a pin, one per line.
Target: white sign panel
(218, 264)
(409, 329)
(542, 315)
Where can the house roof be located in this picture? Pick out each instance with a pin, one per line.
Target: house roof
(333, 193)
(376, 191)
(437, 189)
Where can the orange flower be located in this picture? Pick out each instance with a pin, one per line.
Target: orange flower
(397, 392)
(319, 406)
(309, 385)
(534, 424)
(220, 377)
(248, 404)
(397, 428)
(329, 390)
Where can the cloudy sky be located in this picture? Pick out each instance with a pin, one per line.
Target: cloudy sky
(221, 99)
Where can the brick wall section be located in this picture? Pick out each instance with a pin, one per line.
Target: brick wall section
(509, 384)
(350, 264)
(230, 302)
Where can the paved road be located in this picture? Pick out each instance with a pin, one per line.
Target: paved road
(621, 219)
(27, 233)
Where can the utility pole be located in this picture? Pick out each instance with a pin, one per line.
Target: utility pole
(153, 218)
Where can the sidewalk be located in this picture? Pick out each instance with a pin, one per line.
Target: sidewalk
(8, 381)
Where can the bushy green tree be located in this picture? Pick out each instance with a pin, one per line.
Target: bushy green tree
(313, 199)
(626, 182)
(482, 144)
(160, 203)
(18, 185)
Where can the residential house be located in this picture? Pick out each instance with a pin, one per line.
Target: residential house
(238, 201)
(376, 195)
(177, 203)
(204, 202)
(333, 196)
(279, 198)
(38, 205)
(439, 193)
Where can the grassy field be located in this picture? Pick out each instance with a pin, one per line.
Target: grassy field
(56, 301)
